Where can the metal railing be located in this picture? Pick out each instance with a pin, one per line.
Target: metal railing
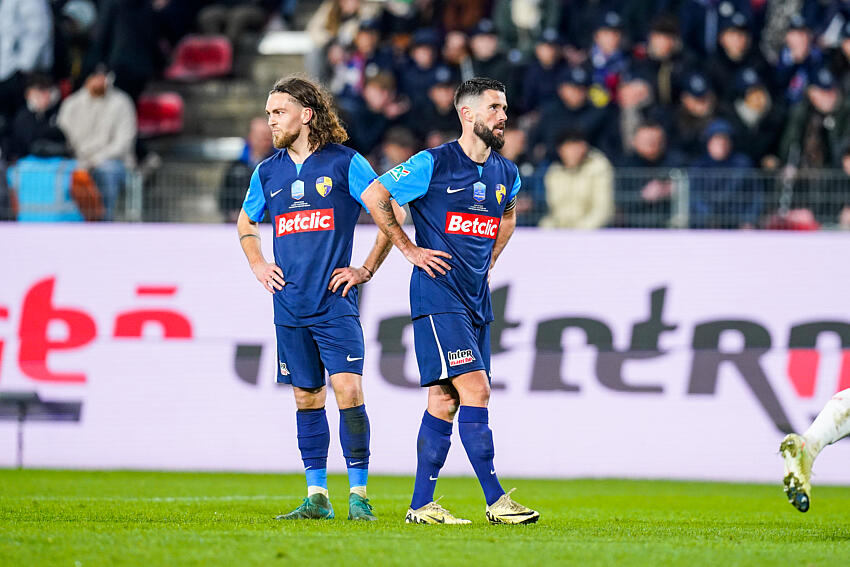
(633, 198)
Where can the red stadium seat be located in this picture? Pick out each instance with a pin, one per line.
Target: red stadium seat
(159, 113)
(199, 57)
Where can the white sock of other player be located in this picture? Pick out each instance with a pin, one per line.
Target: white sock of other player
(831, 424)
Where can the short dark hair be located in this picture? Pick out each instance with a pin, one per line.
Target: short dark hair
(475, 87)
(325, 126)
(651, 123)
(571, 135)
(666, 24)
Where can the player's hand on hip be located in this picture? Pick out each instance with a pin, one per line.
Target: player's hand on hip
(350, 276)
(270, 275)
(429, 260)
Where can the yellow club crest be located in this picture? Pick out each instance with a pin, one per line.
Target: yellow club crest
(500, 193)
(324, 186)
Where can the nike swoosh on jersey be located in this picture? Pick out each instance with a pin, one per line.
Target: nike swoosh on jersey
(349, 359)
(273, 193)
(450, 190)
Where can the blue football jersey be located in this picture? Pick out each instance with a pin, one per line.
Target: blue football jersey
(456, 206)
(314, 207)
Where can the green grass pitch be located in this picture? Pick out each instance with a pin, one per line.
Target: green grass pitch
(148, 518)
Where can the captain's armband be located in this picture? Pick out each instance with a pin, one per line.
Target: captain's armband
(511, 205)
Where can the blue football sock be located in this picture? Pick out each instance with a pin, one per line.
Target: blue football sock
(354, 438)
(432, 446)
(477, 439)
(314, 436)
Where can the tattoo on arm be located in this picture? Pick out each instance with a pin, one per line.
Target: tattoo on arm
(244, 236)
(389, 214)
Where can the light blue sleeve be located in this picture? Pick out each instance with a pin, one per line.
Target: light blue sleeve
(409, 180)
(255, 199)
(517, 184)
(360, 175)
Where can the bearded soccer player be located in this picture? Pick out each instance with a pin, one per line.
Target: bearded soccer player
(312, 189)
(800, 451)
(462, 198)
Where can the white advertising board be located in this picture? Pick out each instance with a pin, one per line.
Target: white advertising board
(615, 353)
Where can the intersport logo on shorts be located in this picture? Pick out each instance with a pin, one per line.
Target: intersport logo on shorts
(460, 356)
(304, 221)
(472, 225)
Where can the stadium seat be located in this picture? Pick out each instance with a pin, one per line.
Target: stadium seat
(199, 57)
(159, 114)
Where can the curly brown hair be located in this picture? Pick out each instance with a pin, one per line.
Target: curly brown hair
(325, 127)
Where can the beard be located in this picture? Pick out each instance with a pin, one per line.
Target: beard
(283, 139)
(488, 137)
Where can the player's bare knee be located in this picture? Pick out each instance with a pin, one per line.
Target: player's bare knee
(309, 398)
(351, 395)
(475, 394)
(443, 406)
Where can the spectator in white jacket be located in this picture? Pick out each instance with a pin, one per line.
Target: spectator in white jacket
(99, 122)
(579, 186)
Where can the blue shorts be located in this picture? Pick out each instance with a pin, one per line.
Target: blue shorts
(303, 353)
(448, 345)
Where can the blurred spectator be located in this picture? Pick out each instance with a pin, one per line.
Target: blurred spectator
(258, 146)
(437, 113)
(419, 72)
(461, 15)
(579, 186)
(777, 17)
(76, 31)
(369, 116)
(540, 79)
(840, 62)
(798, 60)
(521, 22)
(727, 197)
(701, 21)
(578, 21)
(487, 59)
(398, 146)
(232, 18)
(645, 187)
(735, 52)
(636, 105)
(364, 61)
(456, 55)
(26, 45)
(126, 41)
(666, 63)
(334, 25)
(815, 135)
(398, 19)
(758, 121)
(607, 59)
(99, 122)
(817, 128)
(34, 128)
(696, 110)
(571, 110)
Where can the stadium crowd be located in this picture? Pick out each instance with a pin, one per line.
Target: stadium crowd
(612, 103)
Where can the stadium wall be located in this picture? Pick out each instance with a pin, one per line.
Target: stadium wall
(615, 353)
